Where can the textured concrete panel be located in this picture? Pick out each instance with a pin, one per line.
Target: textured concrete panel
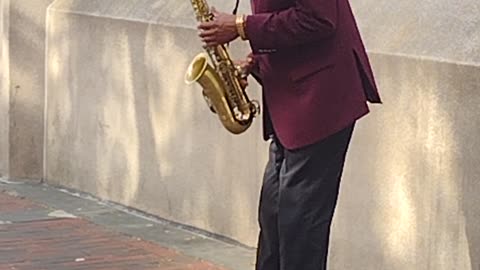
(123, 125)
(27, 58)
(410, 194)
(441, 29)
(4, 86)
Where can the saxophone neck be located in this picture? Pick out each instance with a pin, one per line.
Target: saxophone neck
(202, 10)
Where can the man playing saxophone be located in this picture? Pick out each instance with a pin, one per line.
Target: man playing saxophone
(309, 57)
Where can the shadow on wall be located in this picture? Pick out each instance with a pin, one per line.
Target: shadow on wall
(4, 87)
(26, 105)
(409, 196)
(123, 125)
(465, 83)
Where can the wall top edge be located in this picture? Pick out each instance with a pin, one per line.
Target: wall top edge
(430, 29)
(438, 29)
(163, 12)
(424, 58)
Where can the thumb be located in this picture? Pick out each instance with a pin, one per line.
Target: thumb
(244, 83)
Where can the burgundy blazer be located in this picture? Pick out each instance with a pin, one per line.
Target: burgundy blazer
(313, 68)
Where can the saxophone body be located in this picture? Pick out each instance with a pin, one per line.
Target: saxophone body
(220, 81)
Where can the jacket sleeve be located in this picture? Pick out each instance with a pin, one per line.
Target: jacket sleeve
(306, 21)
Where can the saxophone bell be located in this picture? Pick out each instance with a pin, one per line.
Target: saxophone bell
(196, 69)
(201, 72)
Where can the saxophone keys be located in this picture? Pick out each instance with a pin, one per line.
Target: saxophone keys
(255, 107)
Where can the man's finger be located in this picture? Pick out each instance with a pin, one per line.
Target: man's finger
(212, 43)
(207, 33)
(243, 83)
(206, 25)
(208, 39)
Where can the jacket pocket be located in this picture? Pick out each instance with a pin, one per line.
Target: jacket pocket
(303, 72)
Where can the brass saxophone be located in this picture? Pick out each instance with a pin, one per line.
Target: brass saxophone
(221, 81)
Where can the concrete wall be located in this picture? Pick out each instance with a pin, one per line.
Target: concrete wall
(4, 86)
(122, 125)
(410, 193)
(27, 81)
(440, 30)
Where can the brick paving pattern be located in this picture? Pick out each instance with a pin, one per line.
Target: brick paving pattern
(75, 244)
(11, 204)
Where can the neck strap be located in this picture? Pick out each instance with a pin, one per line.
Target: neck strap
(236, 7)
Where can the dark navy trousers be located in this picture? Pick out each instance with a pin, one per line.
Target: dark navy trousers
(297, 203)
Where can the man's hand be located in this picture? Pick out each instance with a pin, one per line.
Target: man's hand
(245, 66)
(221, 30)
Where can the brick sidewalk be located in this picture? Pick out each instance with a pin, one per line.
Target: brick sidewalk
(75, 243)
